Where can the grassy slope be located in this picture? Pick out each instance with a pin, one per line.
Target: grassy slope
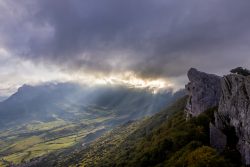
(165, 139)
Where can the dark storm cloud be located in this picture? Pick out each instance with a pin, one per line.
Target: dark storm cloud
(153, 38)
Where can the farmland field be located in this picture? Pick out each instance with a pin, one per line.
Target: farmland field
(25, 142)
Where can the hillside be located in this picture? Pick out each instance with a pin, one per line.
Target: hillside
(166, 139)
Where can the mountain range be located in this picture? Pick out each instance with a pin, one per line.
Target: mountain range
(68, 100)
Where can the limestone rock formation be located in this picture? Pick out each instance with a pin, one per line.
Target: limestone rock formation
(234, 112)
(204, 92)
(231, 94)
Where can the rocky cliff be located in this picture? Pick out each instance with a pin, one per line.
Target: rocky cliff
(231, 94)
(204, 92)
(233, 116)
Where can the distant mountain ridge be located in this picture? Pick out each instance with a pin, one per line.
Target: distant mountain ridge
(66, 100)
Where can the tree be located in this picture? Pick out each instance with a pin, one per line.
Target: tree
(241, 71)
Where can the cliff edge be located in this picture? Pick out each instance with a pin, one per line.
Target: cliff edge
(233, 116)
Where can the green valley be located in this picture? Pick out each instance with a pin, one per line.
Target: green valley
(20, 144)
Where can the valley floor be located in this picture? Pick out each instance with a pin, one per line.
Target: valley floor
(36, 139)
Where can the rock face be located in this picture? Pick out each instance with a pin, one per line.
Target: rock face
(233, 116)
(217, 138)
(231, 94)
(204, 92)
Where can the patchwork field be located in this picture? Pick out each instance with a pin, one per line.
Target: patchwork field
(36, 139)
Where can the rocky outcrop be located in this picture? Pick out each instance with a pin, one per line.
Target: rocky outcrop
(231, 94)
(204, 92)
(233, 116)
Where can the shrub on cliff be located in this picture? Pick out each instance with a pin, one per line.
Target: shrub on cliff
(241, 71)
(206, 156)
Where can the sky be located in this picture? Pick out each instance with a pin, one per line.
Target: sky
(134, 42)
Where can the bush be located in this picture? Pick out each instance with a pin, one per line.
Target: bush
(206, 157)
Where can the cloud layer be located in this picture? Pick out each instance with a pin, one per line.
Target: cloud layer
(152, 38)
